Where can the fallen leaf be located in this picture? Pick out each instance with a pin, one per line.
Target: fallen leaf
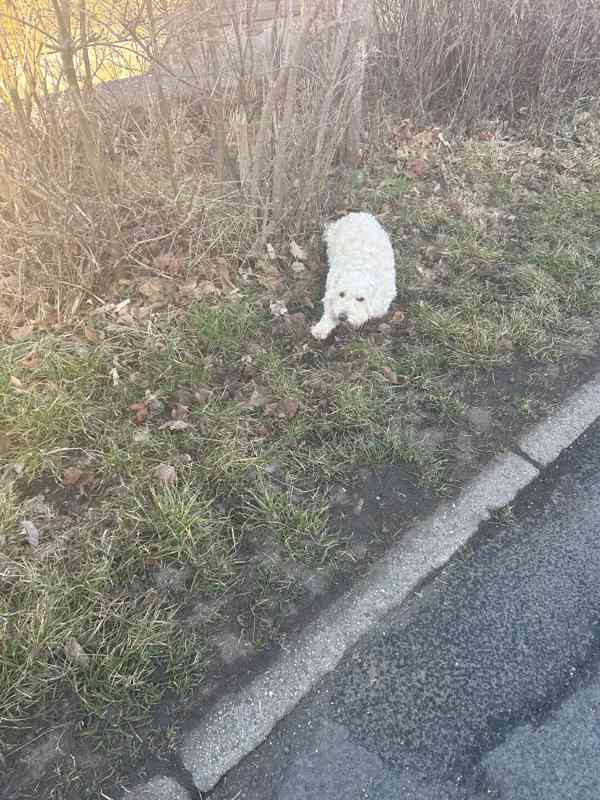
(298, 267)
(277, 308)
(268, 276)
(153, 289)
(202, 394)
(72, 476)
(168, 262)
(75, 653)
(271, 252)
(175, 425)
(298, 252)
(205, 289)
(398, 317)
(90, 333)
(282, 409)
(390, 375)
(31, 361)
(141, 412)
(31, 532)
(114, 375)
(505, 343)
(165, 474)
(180, 411)
(15, 382)
(257, 400)
(21, 331)
(417, 168)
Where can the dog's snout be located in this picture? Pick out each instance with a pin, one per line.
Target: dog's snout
(342, 316)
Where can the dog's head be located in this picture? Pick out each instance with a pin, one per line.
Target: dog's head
(351, 303)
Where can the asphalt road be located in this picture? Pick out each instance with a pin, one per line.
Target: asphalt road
(485, 684)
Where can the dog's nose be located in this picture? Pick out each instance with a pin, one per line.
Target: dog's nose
(342, 316)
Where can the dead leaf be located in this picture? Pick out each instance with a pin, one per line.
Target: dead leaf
(153, 289)
(21, 331)
(205, 289)
(298, 267)
(390, 375)
(91, 334)
(298, 252)
(202, 394)
(277, 308)
(165, 474)
(175, 425)
(398, 317)
(505, 343)
(72, 476)
(141, 412)
(417, 168)
(257, 399)
(444, 141)
(268, 276)
(31, 361)
(271, 252)
(282, 409)
(168, 262)
(15, 382)
(180, 411)
(31, 532)
(116, 380)
(75, 653)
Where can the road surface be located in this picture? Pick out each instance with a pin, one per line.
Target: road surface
(485, 684)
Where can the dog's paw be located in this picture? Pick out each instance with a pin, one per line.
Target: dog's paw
(320, 331)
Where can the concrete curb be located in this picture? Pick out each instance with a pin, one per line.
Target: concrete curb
(241, 722)
(548, 439)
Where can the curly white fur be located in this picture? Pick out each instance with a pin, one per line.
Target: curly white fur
(361, 282)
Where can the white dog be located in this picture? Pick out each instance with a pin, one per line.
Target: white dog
(361, 282)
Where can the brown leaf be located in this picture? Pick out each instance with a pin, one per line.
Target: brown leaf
(168, 262)
(202, 394)
(91, 334)
(180, 411)
(505, 343)
(390, 375)
(398, 317)
(165, 474)
(175, 425)
(75, 653)
(417, 168)
(257, 399)
(72, 476)
(298, 253)
(31, 361)
(15, 382)
(31, 532)
(141, 412)
(282, 409)
(277, 308)
(153, 289)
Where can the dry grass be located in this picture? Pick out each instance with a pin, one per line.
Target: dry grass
(94, 192)
(159, 542)
(473, 60)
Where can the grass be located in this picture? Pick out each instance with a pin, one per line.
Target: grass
(498, 270)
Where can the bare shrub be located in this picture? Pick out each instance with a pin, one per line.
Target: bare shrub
(472, 58)
(229, 134)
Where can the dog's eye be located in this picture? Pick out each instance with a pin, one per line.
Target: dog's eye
(342, 294)
(360, 299)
